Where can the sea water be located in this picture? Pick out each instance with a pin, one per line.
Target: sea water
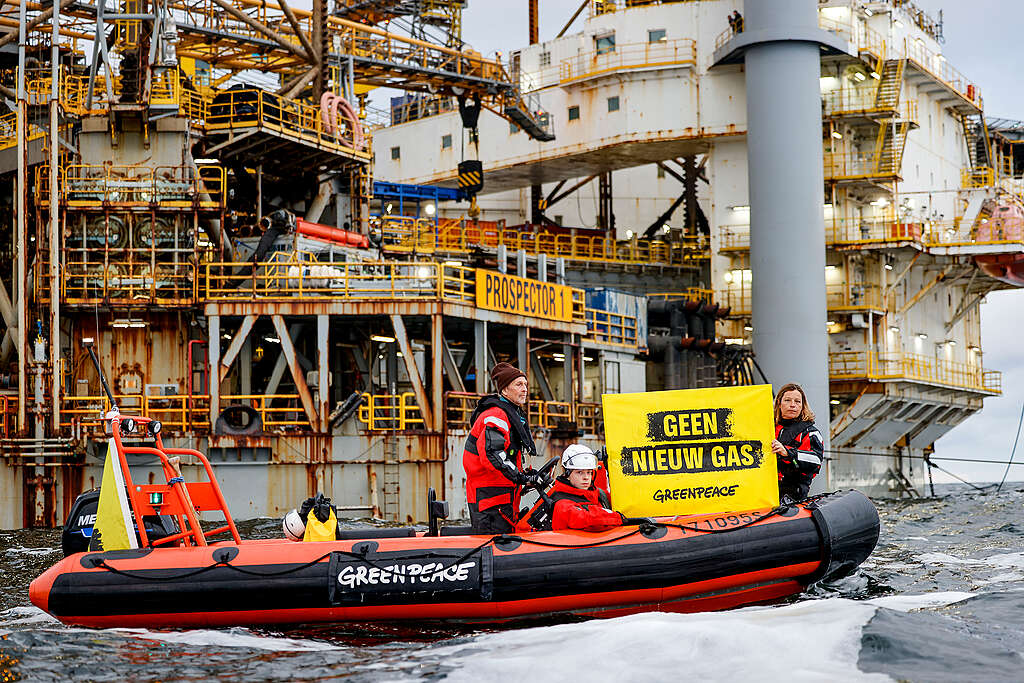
(941, 599)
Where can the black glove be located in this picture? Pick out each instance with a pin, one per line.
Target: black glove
(322, 508)
(535, 480)
(304, 509)
(637, 520)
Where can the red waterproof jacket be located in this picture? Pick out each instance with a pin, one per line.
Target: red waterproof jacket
(580, 508)
(805, 452)
(493, 455)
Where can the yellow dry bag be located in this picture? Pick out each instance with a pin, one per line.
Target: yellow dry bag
(320, 531)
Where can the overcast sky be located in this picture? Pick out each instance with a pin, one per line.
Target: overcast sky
(983, 42)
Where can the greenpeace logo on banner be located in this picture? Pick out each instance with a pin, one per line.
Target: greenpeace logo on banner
(671, 459)
(412, 573)
(395, 577)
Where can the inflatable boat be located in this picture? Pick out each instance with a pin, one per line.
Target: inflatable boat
(680, 564)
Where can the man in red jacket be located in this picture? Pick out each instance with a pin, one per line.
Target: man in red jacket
(575, 502)
(493, 457)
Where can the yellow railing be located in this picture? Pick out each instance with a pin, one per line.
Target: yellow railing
(9, 131)
(734, 238)
(588, 418)
(850, 231)
(128, 275)
(459, 408)
(93, 185)
(295, 119)
(658, 54)
(853, 297)
(848, 100)
(369, 280)
(849, 166)
(547, 414)
(737, 299)
(616, 329)
(390, 412)
(892, 366)
(864, 39)
(983, 176)
(165, 90)
(183, 412)
(691, 293)
(937, 65)
(406, 234)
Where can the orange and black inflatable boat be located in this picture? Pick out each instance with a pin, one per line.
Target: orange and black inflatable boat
(680, 564)
(179, 577)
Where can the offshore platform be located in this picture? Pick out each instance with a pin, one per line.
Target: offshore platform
(310, 289)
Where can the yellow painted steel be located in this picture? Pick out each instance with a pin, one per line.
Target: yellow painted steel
(496, 291)
(895, 366)
(847, 296)
(390, 412)
(182, 412)
(163, 187)
(404, 234)
(293, 119)
(459, 406)
(659, 54)
(611, 329)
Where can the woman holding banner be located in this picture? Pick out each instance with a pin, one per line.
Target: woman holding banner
(493, 457)
(798, 445)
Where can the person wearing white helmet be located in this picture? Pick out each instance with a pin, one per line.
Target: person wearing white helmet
(575, 502)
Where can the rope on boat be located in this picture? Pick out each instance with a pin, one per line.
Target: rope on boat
(100, 563)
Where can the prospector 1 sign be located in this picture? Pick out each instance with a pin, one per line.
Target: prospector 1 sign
(691, 451)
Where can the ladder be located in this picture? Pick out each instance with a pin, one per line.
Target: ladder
(892, 138)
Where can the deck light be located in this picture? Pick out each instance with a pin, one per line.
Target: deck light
(875, 75)
(922, 335)
(950, 342)
(453, 264)
(429, 209)
(748, 328)
(888, 266)
(381, 338)
(837, 135)
(894, 328)
(974, 348)
(629, 234)
(272, 339)
(834, 401)
(859, 75)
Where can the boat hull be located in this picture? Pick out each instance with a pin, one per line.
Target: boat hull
(715, 562)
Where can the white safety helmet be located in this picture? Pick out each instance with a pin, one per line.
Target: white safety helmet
(294, 527)
(579, 457)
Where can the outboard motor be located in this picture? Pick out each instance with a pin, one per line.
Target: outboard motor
(78, 528)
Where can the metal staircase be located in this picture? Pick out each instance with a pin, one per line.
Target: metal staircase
(890, 85)
(892, 138)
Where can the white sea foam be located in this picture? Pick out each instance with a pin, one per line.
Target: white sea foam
(233, 637)
(29, 614)
(814, 640)
(906, 603)
(22, 550)
(1000, 560)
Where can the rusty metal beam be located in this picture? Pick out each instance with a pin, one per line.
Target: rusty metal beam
(323, 370)
(288, 349)
(437, 364)
(264, 29)
(454, 374)
(235, 346)
(414, 374)
(286, 8)
(899, 278)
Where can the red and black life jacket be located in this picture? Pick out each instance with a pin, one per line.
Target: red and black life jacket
(805, 453)
(493, 456)
(572, 508)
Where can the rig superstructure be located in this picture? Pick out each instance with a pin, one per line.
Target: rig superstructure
(291, 282)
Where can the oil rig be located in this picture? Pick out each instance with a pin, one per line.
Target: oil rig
(310, 287)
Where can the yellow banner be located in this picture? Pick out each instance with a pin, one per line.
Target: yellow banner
(510, 294)
(691, 451)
